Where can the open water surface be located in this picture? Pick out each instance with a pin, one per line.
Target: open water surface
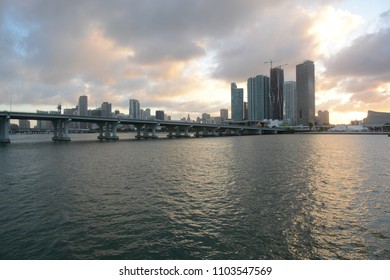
(252, 197)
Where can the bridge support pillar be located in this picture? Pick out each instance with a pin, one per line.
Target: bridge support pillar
(4, 130)
(178, 132)
(170, 131)
(186, 131)
(197, 134)
(61, 133)
(153, 127)
(147, 133)
(214, 132)
(107, 131)
(139, 127)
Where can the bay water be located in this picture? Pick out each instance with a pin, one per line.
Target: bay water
(251, 197)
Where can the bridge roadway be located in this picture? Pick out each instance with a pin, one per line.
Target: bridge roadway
(108, 126)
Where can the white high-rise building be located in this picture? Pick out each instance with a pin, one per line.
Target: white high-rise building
(305, 93)
(134, 109)
(290, 102)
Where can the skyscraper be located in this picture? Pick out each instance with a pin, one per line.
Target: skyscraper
(290, 102)
(323, 117)
(106, 109)
(276, 92)
(83, 105)
(224, 114)
(134, 109)
(146, 114)
(160, 115)
(83, 109)
(305, 93)
(259, 106)
(237, 102)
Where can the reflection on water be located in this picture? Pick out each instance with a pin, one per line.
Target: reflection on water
(255, 197)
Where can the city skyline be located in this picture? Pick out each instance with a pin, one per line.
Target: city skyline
(180, 57)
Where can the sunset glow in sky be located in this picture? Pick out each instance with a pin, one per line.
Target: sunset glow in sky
(181, 55)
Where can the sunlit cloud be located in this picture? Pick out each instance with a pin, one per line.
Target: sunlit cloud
(181, 56)
(333, 29)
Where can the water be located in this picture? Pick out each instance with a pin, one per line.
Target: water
(253, 197)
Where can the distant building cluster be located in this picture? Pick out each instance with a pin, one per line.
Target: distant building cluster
(271, 98)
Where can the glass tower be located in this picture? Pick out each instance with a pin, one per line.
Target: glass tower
(305, 93)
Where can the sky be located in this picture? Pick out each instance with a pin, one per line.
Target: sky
(180, 56)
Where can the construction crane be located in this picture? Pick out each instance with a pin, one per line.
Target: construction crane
(271, 61)
(280, 66)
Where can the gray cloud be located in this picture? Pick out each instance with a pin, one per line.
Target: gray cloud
(367, 56)
(361, 68)
(144, 49)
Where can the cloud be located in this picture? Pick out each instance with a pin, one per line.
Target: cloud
(368, 55)
(362, 70)
(177, 54)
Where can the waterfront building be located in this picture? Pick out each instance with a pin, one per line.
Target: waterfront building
(206, 116)
(134, 109)
(237, 102)
(43, 124)
(160, 115)
(259, 103)
(323, 117)
(72, 112)
(96, 112)
(245, 110)
(224, 114)
(106, 109)
(145, 114)
(83, 105)
(379, 120)
(24, 124)
(290, 102)
(82, 109)
(305, 93)
(276, 92)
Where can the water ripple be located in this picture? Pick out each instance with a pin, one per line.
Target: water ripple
(261, 197)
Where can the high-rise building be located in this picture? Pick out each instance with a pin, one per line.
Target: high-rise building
(146, 114)
(43, 124)
(237, 102)
(72, 112)
(24, 124)
(106, 109)
(134, 109)
(276, 92)
(323, 117)
(259, 103)
(224, 114)
(160, 115)
(305, 93)
(245, 110)
(83, 105)
(290, 102)
(82, 109)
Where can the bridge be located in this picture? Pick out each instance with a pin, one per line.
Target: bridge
(107, 127)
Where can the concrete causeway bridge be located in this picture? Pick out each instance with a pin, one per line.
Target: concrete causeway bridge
(107, 127)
